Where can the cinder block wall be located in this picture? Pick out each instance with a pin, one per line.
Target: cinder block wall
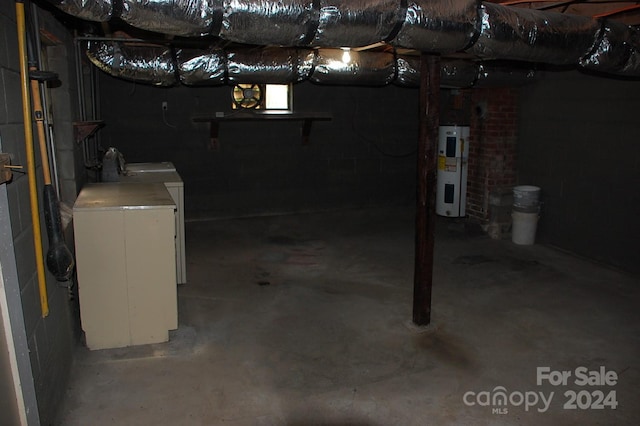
(492, 147)
(578, 141)
(50, 339)
(364, 156)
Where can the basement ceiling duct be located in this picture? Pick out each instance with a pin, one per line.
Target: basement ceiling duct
(90, 10)
(154, 64)
(458, 73)
(337, 66)
(616, 50)
(487, 30)
(499, 74)
(175, 17)
(266, 22)
(534, 36)
(201, 69)
(407, 71)
(453, 73)
(357, 22)
(269, 65)
(148, 64)
(441, 26)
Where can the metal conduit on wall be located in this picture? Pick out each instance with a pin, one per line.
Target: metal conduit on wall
(488, 31)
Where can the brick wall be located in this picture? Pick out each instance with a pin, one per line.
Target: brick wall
(492, 149)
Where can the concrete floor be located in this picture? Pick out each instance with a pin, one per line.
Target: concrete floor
(304, 320)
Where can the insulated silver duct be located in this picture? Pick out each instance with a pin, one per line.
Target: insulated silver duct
(492, 74)
(269, 65)
(175, 17)
(265, 22)
(148, 64)
(458, 73)
(201, 69)
(337, 66)
(534, 36)
(615, 51)
(357, 22)
(407, 71)
(441, 26)
(91, 10)
(155, 65)
(453, 73)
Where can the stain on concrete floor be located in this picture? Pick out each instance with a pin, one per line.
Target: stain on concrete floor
(326, 342)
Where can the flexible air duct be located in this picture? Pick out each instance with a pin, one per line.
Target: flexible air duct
(357, 22)
(340, 67)
(148, 64)
(500, 74)
(614, 51)
(407, 71)
(269, 65)
(201, 69)
(175, 17)
(440, 26)
(534, 36)
(632, 66)
(91, 10)
(453, 73)
(265, 22)
(458, 73)
(155, 65)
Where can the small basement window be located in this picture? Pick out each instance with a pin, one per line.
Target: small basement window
(263, 97)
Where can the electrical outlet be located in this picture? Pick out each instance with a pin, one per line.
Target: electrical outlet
(165, 105)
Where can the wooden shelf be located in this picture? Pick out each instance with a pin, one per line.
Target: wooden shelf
(84, 129)
(306, 118)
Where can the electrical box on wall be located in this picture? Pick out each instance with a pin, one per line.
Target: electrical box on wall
(453, 154)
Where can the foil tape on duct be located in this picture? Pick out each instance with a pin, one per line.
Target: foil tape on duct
(147, 64)
(337, 66)
(439, 26)
(534, 36)
(91, 10)
(269, 65)
(264, 22)
(357, 22)
(175, 17)
(614, 51)
(201, 69)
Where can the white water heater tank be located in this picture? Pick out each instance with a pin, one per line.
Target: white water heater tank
(453, 155)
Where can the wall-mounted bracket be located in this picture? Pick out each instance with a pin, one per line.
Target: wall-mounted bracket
(6, 169)
(305, 117)
(84, 129)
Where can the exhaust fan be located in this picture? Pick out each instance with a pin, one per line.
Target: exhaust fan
(248, 96)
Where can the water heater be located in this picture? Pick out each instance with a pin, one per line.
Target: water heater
(453, 153)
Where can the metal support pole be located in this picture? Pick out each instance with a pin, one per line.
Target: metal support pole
(426, 186)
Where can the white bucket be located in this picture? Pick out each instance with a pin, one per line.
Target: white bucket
(523, 231)
(526, 198)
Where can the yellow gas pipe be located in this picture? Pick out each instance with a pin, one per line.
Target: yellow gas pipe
(31, 166)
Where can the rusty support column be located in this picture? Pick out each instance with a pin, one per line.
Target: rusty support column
(426, 186)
